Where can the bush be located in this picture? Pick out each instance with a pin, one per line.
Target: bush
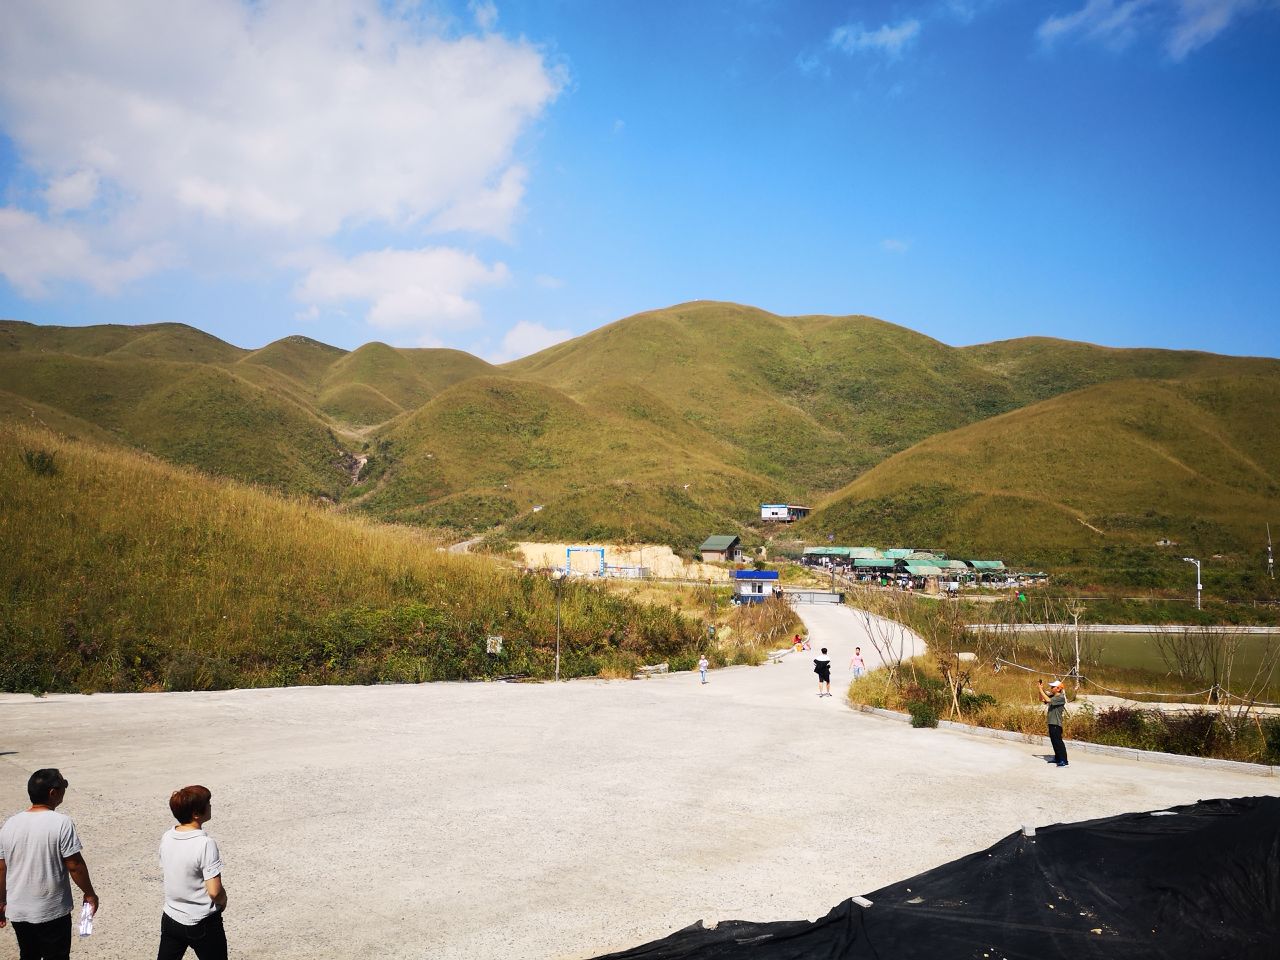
(1196, 734)
(40, 462)
(189, 670)
(1271, 735)
(923, 713)
(1120, 727)
(975, 701)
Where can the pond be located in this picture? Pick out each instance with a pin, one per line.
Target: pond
(1141, 651)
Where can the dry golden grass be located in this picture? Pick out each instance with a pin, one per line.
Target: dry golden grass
(125, 573)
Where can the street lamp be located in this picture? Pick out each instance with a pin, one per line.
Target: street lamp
(558, 576)
(1199, 585)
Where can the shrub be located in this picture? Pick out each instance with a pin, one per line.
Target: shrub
(40, 462)
(923, 713)
(924, 700)
(975, 701)
(1271, 735)
(188, 670)
(1120, 727)
(1196, 734)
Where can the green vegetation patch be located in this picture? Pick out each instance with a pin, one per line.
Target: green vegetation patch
(123, 573)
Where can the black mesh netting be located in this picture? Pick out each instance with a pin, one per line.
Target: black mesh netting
(1203, 883)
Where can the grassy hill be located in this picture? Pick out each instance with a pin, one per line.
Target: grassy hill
(490, 449)
(1037, 368)
(376, 382)
(674, 424)
(1101, 471)
(154, 341)
(806, 402)
(196, 414)
(124, 573)
(303, 360)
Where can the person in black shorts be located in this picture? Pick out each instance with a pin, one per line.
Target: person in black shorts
(822, 667)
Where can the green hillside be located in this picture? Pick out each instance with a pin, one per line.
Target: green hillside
(807, 402)
(124, 573)
(302, 359)
(156, 341)
(407, 378)
(666, 425)
(1104, 469)
(1037, 368)
(195, 414)
(490, 449)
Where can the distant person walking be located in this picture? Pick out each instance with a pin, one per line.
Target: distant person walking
(822, 667)
(1056, 701)
(194, 897)
(39, 851)
(857, 664)
(703, 664)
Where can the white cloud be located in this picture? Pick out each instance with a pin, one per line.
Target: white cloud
(526, 338)
(75, 191)
(34, 253)
(1199, 21)
(618, 127)
(1113, 22)
(267, 125)
(1186, 24)
(485, 12)
(855, 38)
(418, 292)
(548, 282)
(891, 245)
(488, 211)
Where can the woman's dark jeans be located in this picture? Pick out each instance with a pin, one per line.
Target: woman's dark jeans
(207, 938)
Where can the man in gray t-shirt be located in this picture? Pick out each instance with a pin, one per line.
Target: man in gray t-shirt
(1056, 702)
(39, 851)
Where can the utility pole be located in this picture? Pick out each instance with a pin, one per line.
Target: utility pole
(559, 578)
(1271, 560)
(1199, 585)
(1075, 610)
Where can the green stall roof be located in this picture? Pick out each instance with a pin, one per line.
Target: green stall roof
(923, 570)
(873, 563)
(826, 551)
(898, 554)
(987, 564)
(865, 553)
(718, 543)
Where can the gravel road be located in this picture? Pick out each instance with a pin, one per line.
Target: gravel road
(493, 820)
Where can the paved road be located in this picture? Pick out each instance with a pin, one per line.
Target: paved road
(488, 821)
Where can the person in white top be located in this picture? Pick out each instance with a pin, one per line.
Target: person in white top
(822, 667)
(194, 897)
(703, 664)
(39, 851)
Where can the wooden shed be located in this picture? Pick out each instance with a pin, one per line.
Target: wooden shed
(727, 549)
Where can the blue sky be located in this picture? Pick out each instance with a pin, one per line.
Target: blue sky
(499, 176)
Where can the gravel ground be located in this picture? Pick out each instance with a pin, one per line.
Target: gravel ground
(540, 821)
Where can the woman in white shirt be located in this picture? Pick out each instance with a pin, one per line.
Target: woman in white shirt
(194, 897)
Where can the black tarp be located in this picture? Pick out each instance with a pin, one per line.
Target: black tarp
(1201, 884)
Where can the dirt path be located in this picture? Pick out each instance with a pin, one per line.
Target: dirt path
(506, 821)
